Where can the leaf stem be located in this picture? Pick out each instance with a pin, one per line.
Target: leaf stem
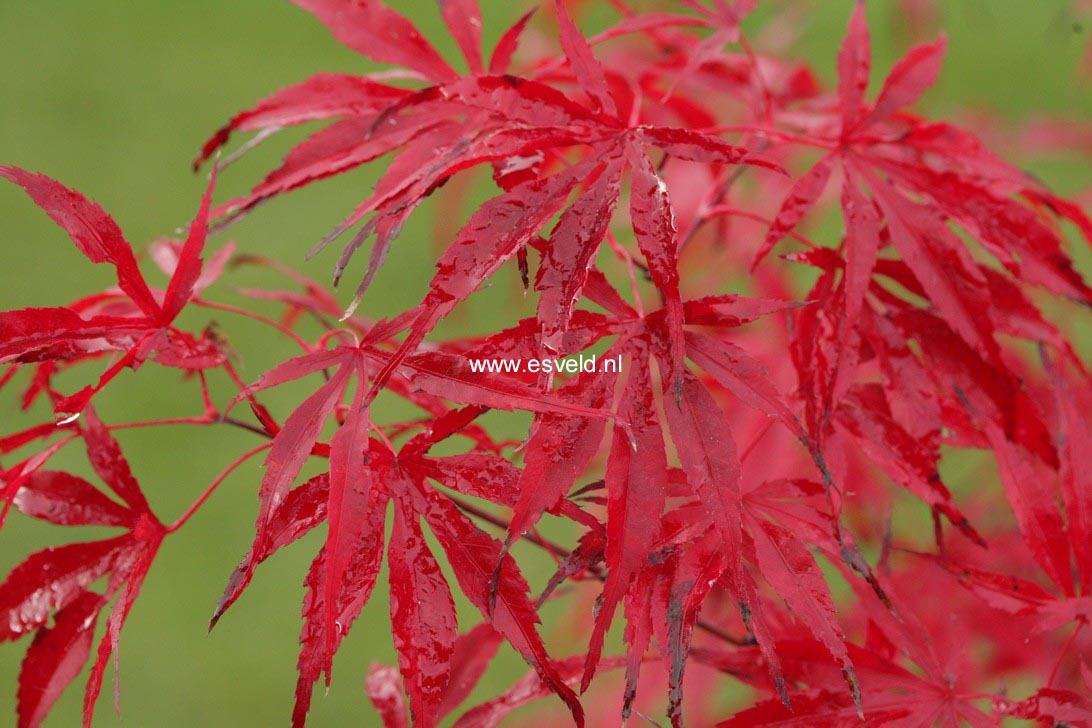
(737, 212)
(199, 420)
(257, 317)
(1064, 651)
(214, 485)
(770, 133)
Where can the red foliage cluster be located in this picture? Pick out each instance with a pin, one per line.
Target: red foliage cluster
(702, 481)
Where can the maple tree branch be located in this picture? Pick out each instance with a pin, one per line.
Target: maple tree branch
(244, 426)
(201, 420)
(737, 212)
(472, 510)
(717, 199)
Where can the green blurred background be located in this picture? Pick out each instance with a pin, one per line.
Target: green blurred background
(114, 97)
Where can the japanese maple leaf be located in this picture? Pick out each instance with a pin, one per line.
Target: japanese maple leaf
(923, 392)
(472, 652)
(526, 690)
(1048, 705)
(380, 34)
(710, 465)
(920, 693)
(1040, 498)
(142, 329)
(894, 422)
(486, 574)
(560, 449)
(422, 613)
(724, 18)
(690, 564)
(507, 224)
(465, 122)
(57, 581)
(934, 175)
(898, 424)
(357, 493)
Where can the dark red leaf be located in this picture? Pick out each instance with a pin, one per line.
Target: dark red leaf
(908, 80)
(56, 658)
(788, 566)
(375, 31)
(473, 557)
(506, 46)
(801, 198)
(292, 445)
(464, 19)
(93, 231)
(907, 460)
(67, 500)
(1049, 705)
(105, 455)
(573, 246)
(585, 65)
(352, 596)
(133, 571)
(452, 377)
(384, 688)
(498, 229)
(707, 452)
(529, 688)
(422, 615)
(323, 96)
(350, 496)
(940, 262)
(188, 271)
(1076, 486)
(1034, 506)
(854, 68)
(40, 334)
(694, 146)
(52, 579)
(695, 573)
(654, 227)
(741, 375)
(473, 652)
(636, 475)
(558, 452)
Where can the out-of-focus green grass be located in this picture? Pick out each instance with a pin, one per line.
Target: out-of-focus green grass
(114, 98)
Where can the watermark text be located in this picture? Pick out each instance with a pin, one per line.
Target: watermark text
(568, 365)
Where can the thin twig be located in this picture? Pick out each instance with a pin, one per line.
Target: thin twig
(215, 484)
(257, 317)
